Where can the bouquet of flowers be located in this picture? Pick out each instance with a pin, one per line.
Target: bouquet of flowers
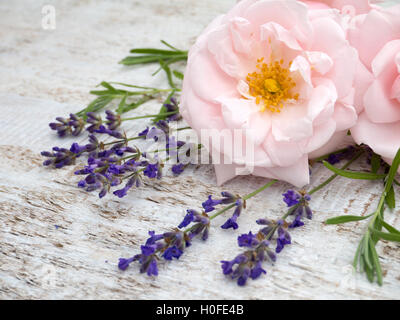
(270, 89)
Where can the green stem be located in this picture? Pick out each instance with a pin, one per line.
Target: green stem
(151, 116)
(120, 141)
(247, 197)
(330, 179)
(184, 128)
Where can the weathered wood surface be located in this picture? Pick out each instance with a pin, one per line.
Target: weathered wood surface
(49, 73)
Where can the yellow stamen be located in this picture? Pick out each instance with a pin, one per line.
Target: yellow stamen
(271, 85)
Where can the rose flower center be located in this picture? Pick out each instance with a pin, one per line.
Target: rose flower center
(271, 85)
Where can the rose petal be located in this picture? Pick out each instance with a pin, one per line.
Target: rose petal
(283, 153)
(378, 106)
(322, 102)
(336, 142)
(236, 112)
(345, 116)
(319, 61)
(386, 58)
(371, 36)
(298, 174)
(272, 30)
(221, 47)
(395, 91)
(292, 123)
(362, 81)
(383, 138)
(207, 79)
(321, 135)
(291, 15)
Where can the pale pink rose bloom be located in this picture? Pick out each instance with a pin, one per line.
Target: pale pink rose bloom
(351, 7)
(217, 93)
(377, 38)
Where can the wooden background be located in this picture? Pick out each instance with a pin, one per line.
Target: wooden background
(47, 73)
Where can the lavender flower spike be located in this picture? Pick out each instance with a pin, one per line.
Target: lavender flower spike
(73, 125)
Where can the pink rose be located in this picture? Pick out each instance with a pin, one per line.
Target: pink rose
(280, 73)
(377, 38)
(352, 7)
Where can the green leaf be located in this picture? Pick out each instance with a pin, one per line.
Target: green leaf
(390, 228)
(377, 265)
(357, 256)
(392, 172)
(108, 86)
(386, 236)
(366, 251)
(122, 104)
(178, 74)
(353, 174)
(170, 46)
(136, 104)
(133, 86)
(160, 52)
(390, 198)
(168, 72)
(345, 219)
(375, 163)
(131, 60)
(96, 105)
(144, 59)
(368, 271)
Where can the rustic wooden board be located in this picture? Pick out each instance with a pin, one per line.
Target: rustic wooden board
(49, 73)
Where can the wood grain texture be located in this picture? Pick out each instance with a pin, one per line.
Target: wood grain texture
(49, 73)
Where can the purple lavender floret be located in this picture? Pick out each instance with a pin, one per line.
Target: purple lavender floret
(247, 240)
(169, 245)
(178, 169)
(113, 120)
(227, 198)
(188, 219)
(77, 149)
(232, 222)
(173, 106)
(348, 153)
(257, 271)
(296, 223)
(172, 252)
(333, 158)
(154, 133)
(172, 146)
(133, 181)
(210, 204)
(300, 209)
(163, 125)
(202, 224)
(124, 263)
(151, 170)
(144, 133)
(248, 264)
(96, 181)
(282, 240)
(93, 144)
(73, 125)
(113, 133)
(60, 157)
(94, 122)
(291, 198)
